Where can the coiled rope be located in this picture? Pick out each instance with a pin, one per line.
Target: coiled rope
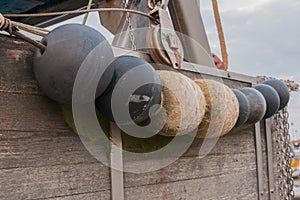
(5, 24)
(11, 27)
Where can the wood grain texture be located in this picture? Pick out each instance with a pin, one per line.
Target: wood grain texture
(234, 186)
(16, 74)
(29, 113)
(41, 158)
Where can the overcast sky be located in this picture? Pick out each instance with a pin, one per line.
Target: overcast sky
(262, 36)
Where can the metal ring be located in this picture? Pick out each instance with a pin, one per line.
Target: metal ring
(150, 4)
(153, 3)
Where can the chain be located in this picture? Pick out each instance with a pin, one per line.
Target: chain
(130, 27)
(284, 152)
(157, 3)
(284, 155)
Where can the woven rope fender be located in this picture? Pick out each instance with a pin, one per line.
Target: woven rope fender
(222, 109)
(183, 101)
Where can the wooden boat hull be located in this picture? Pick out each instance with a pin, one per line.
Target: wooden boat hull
(40, 156)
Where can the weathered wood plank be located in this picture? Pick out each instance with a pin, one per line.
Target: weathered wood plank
(223, 188)
(26, 149)
(35, 149)
(38, 149)
(194, 168)
(55, 181)
(234, 186)
(104, 195)
(45, 159)
(30, 113)
(226, 81)
(16, 74)
(51, 181)
(188, 189)
(236, 142)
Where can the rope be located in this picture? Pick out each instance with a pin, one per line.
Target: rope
(8, 26)
(87, 14)
(81, 12)
(5, 24)
(11, 26)
(29, 40)
(31, 29)
(221, 34)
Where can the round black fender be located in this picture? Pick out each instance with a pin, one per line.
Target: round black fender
(258, 106)
(244, 107)
(281, 89)
(67, 47)
(131, 72)
(271, 97)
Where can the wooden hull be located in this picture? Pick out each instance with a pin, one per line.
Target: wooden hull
(40, 157)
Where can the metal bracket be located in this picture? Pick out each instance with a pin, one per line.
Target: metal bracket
(163, 43)
(116, 159)
(270, 158)
(259, 161)
(170, 40)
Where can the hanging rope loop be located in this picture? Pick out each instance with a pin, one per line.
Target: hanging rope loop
(6, 25)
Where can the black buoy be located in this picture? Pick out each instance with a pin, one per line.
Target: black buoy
(244, 108)
(271, 97)
(257, 104)
(131, 72)
(66, 48)
(281, 89)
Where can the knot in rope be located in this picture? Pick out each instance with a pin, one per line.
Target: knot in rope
(6, 24)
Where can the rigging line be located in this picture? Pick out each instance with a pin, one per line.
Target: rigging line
(87, 14)
(81, 12)
(8, 26)
(220, 33)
